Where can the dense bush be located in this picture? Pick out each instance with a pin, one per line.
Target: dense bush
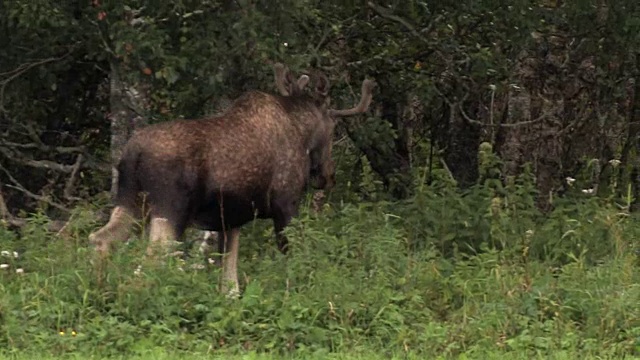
(444, 273)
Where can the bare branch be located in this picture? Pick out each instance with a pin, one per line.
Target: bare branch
(387, 15)
(446, 168)
(39, 164)
(104, 38)
(46, 164)
(32, 133)
(522, 123)
(15, 73)
(24, 67)
(444, 97)
(412, 29)
(43, 147)
(17, 186)
(68, 188)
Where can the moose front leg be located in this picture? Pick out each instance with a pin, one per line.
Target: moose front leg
(162, 236)
(281, 238)
(283, 213)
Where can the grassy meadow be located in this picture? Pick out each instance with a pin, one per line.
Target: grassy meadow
(479, 274)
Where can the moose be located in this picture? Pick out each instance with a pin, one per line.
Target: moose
(255, 160)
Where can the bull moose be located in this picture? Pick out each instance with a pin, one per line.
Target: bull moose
(219, 173)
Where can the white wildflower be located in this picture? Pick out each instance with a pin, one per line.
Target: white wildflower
(7, 253)
(588, 191)
(570, 180)
(20, 271)
(197, 266)
(529, 232)
(614, 162)
(285, 44)
(138, 270)
(4, 266)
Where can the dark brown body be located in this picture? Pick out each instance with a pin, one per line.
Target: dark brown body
(220, 173)
(227, 170)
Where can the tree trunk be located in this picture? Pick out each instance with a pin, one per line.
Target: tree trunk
(633, 138)
(124, 98)
(461, 152)
(518, 110)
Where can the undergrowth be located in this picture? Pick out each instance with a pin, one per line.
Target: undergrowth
(445, 274)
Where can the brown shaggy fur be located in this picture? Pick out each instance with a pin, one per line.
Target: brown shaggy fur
(220, 173)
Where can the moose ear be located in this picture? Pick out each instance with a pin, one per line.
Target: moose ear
(286, 83)
(303, 80)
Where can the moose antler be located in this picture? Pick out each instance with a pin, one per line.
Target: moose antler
(365, 101)
(320, 81)
(285, 83)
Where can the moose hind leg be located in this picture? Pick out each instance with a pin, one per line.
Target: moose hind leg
(230, 284)
(117, 229)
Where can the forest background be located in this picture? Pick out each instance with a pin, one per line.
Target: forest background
(486, 204)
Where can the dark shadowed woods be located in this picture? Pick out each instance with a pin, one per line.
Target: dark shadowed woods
(485, 204)
(547, 83)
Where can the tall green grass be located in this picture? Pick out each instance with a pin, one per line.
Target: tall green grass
(445, 274)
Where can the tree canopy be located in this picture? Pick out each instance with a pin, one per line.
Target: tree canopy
(549, 83)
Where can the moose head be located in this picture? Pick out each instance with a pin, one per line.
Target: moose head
(322, 167)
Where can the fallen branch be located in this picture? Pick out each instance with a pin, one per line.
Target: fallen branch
(17, 186)
(55, 226)
(39, 164)
(68, 188)
(6, 219)
(43, 147)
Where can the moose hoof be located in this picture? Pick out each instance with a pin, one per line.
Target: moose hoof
(99, 245)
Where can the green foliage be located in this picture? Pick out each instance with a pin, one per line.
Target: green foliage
(446, 273)
(474, 273)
